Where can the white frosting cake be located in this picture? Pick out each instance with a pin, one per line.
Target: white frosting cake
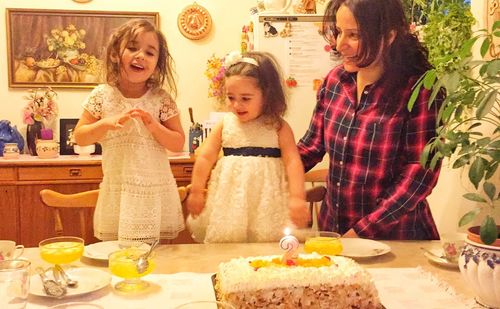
(315, 281)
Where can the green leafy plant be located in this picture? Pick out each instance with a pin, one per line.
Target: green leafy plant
(468, 132)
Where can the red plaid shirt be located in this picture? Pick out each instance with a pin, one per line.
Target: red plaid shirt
(375, 183)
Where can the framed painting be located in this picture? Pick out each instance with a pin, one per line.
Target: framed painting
(60, 48)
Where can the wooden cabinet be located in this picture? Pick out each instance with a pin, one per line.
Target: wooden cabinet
(26, 220)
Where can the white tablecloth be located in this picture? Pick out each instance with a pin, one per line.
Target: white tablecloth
(398, 288)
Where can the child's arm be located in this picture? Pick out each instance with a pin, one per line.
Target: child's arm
(90, 130)
(299, 211)
(209, 153)
(168, 133)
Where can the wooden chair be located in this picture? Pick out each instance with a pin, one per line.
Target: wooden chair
(315, 194)
(79, 202)
(316, 176)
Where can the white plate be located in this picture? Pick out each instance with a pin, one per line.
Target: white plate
(438, 260)
(89, 280)
(360, 247)
(101, 250)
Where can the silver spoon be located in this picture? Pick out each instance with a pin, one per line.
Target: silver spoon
(58, 270)
(142, 262)
(51, 287)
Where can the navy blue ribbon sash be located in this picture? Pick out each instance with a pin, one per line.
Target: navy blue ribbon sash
(253, 152)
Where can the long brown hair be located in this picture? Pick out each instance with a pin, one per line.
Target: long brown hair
(118, 41)
(269, 79)
(377, 20)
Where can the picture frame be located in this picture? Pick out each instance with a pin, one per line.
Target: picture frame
(61, 48)
(66, 127)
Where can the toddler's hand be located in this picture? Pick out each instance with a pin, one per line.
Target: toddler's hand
(195, 203)
(299, 212)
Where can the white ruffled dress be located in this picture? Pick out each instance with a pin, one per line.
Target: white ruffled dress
(247, 198)
(138, 198)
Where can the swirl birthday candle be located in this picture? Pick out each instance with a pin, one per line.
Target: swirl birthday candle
(291, 244)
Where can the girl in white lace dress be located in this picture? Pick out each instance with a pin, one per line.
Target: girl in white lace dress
(135, 120)
(258, 185)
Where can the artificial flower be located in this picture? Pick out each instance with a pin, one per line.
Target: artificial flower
(232, 58)
(215, 74)
(41, 106)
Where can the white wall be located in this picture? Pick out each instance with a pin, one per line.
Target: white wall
(190, 56)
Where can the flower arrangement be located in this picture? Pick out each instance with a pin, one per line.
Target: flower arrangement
(215, 74)
(41, 106)
(68, 38)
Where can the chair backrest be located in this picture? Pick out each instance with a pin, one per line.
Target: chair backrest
(314, 196)
(316, 176)
(79, 201)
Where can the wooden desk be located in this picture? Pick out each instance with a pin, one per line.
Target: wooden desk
(26, 220)
(204, 258)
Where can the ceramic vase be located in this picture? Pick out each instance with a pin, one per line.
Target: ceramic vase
(480, 268)
(11, 151)
(47, 149)
(33, 133)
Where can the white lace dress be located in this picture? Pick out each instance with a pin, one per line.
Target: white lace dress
(138, 198)
(247, 195)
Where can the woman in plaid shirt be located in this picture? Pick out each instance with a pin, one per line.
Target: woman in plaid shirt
(376, 185)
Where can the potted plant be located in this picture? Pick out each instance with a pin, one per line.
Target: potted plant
(468, 134)
(469, 128)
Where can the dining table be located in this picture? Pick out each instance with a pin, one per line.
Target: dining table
(183, 272)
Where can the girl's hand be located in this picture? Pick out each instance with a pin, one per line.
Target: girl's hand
(299, 212)
(195, 203)
(146, 117)
(116, 122)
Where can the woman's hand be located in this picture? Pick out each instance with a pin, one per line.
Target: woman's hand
(298, 212)
(195, 203)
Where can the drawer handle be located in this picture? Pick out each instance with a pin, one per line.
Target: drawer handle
(75, 172)
(188, 170)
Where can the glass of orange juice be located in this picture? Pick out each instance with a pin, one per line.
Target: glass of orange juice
(61, 250)
(123, 264)
(323, 242)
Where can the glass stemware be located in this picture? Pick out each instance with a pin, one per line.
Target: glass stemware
(61, 250)
(123, 264)
(323, 242)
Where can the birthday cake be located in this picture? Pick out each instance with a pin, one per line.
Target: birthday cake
(309, 281)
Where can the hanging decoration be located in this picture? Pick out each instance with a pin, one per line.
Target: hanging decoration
(194, 22)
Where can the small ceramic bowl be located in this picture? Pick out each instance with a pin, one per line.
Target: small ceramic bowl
(84, 151)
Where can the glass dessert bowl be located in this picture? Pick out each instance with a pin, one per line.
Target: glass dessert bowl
(323, 242)
(123, 264)
(61, 250)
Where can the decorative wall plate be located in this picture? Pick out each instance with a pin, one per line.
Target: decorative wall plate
(194, 22)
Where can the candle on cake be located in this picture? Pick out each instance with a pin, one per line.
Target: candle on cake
(291, 244)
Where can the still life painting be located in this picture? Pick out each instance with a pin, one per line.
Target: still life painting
(61, 48)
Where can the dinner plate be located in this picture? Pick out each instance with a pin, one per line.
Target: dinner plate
(360, 247)
(101, 250)
(89, 280)
(77, 305)
(439, 260)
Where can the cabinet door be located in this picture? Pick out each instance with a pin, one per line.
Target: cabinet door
(37, 220)
(9, 213)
